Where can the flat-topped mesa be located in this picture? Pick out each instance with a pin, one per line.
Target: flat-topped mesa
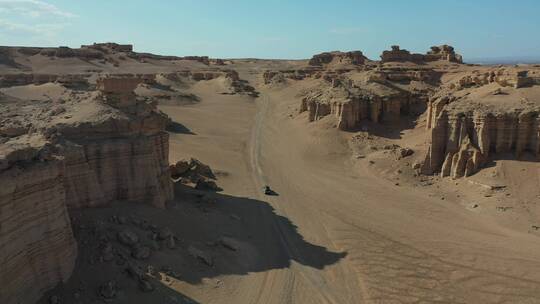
(443, 53)
(110, 46)
(337, 57)
(399, 55)
(107, 51)
(479, 117)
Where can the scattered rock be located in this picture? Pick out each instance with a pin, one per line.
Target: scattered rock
(201, 255)
(164, 234)
(145, 285)
(235, 217)
(171, 243)
(134, 270)
(141, 252)
(404, 152)
(128, 237)
(207, 184)
(107, 252)
(108, 290)
(193, 169)
(54, 300)
(122, 220)
(229, 243)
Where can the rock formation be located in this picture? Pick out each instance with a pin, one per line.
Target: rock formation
(353, 105)
(443, 52)
(397, 54)
(336, 57)
(67, 80)
(194, 172)
(479, 116)
(380, 94)
(56, 156)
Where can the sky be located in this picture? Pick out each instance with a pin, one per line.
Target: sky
(278, 29)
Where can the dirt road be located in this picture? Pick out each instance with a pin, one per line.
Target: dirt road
(346, 234)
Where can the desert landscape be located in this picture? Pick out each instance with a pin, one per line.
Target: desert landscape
(132, 177)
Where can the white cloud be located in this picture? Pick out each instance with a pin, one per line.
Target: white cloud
(33, 8)
(27, 20)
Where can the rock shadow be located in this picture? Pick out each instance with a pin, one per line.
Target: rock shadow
(246, 235)
(389, 130)
(178, 128)
(198, 238)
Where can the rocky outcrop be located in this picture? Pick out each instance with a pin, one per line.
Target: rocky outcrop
(80, 153)
(478, 117)
(236, 85)
(65, 52)
(351, 105)
(67, 80)
(460, 144)
(443, 52)
(196, 173)
(375, 93)
(397, 54)
(95, 51)
(404, 74)
(270, 76)
(37, 248)
(504, 77)
(109, 46)
(336, 57)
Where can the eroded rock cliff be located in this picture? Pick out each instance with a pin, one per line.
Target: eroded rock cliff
(372, 94)
(481, 116)
(57, 155)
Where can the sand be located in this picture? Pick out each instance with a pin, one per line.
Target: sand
(382, 243)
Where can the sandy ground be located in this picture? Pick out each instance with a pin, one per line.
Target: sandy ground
(382, 243)
(341, 229)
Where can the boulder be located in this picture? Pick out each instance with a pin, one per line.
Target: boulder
(127, 237)
(108, 290)
(141, 252)
(201, 255)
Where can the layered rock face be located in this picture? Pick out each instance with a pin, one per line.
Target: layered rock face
(397, 54)
(109, 51)
(37, 248)
(60, 155)
(336, 57)
(443, 52)
(351, 103)
(479, 116)
(19, 79)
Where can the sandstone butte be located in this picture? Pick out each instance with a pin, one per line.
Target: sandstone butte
(102, 139)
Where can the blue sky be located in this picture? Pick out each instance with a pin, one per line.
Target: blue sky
(277, 29)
